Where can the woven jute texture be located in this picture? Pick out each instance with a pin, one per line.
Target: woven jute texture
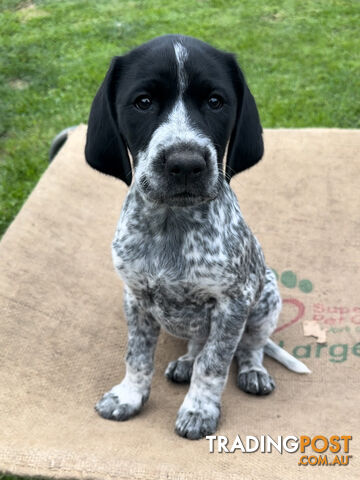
(63, 334)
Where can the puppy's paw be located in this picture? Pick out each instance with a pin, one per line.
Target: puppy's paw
(256, 382)
(179, 371)
(197, 423)
(120, 403)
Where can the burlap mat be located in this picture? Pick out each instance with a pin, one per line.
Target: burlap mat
(63, 335)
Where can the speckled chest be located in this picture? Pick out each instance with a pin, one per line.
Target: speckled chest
(177, 294)
(178, 266)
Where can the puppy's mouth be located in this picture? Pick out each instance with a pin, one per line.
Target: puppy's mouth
(189, 196)
(184, 198)
(179, 199)
(176, 198)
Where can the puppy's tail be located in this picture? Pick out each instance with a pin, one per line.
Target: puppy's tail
(284, 357)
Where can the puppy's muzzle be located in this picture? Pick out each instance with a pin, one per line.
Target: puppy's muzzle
(181, 175)
(184, 169)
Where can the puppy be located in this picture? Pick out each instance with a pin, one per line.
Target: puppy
(189, 262)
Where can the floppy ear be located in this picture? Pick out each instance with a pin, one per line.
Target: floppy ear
(246, 144)
(105, 147)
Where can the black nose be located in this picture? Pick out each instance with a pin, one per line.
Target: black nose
(185, 166)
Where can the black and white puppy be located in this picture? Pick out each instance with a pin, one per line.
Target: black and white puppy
(189, 262)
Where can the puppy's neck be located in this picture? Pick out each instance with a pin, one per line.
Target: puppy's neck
(165, 218)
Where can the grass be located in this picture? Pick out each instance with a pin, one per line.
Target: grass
(301, 60)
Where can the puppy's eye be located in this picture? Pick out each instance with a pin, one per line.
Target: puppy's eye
(143, 102)
(215, 102)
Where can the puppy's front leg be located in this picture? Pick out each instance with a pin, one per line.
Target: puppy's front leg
(126, 399)
(200, 411)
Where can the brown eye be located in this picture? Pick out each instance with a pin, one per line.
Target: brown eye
(143, 102)
(215, 102)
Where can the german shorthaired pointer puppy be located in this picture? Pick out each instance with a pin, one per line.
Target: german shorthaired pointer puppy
(189, 262)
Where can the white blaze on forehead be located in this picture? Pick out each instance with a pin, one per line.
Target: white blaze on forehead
(181, 55)
(177, 128)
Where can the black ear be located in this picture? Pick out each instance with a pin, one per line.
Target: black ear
(105, 147)
(246, 145)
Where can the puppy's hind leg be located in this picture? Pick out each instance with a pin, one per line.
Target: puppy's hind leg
(252, 375)
(180, 370)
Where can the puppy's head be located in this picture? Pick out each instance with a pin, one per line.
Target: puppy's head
(174, 103)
